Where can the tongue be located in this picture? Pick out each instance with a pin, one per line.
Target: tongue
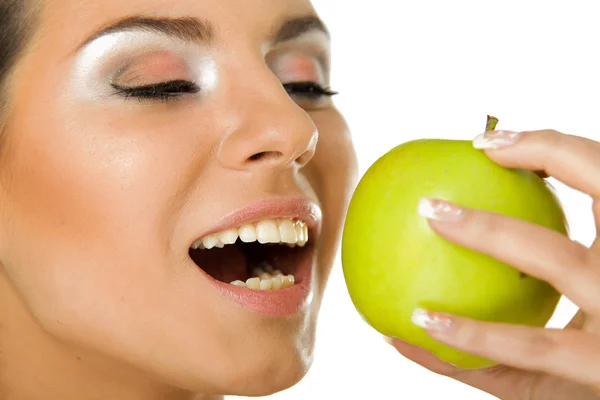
(227, 264)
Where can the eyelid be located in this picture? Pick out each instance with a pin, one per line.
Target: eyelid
(151, 68)
(313, 44)
(175, 83)
(298, 66)
(102, 62)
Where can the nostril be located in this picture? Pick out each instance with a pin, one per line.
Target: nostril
(264, 155)
(257, 156)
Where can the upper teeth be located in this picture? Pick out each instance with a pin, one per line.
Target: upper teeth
(289, 231)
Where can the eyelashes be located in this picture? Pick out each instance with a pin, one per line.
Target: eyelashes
(163, 91)
(173, 90)
(309, 90)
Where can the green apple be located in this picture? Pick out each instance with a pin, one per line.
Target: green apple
(394, 262)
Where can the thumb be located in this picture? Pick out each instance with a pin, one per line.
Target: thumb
(500, 381)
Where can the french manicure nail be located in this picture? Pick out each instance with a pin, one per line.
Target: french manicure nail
(388, 340)
(431, 321)
(439, 210)
(495, 139)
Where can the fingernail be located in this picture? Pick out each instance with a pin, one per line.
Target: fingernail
(439, 210)
(496, 139)
(431, 321)
(388, 340)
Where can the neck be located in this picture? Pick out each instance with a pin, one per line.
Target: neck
(37, 366)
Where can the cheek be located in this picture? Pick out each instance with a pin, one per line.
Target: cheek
(68, 201)
(92, 194)
(333, 174)
(334, 167)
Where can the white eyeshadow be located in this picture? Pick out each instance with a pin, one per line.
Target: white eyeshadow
(94, 65)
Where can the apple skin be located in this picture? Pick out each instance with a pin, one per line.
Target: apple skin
(394, 262)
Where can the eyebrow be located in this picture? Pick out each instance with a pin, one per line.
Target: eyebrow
(198, 31)
(186, 29)
(293, 28)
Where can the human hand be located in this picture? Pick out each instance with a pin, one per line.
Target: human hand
(535, 363)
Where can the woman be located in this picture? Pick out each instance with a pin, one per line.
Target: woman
(173, 180)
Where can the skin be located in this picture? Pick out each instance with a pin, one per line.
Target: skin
(535, 363)
(98, 201)
(101, 199)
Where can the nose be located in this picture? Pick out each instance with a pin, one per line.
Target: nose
(267, 130)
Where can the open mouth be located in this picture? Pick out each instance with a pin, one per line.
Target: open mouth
(259, 256)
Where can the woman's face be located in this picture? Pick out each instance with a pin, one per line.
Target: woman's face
(136, 129)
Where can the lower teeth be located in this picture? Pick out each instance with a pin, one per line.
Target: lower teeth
(266, 278)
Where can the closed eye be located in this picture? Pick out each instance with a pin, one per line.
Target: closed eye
(165, 91)
(310, 90)
(162, 91)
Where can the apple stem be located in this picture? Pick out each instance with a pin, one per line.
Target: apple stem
(491, 123)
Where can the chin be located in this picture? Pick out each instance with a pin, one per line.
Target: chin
(261, 372)
(281, 375)
(277, 362)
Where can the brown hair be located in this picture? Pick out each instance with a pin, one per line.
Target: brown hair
(15, 22)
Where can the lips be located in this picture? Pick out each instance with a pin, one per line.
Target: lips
(296, 261)
(299, 208)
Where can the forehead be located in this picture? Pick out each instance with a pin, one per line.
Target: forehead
(68, 22)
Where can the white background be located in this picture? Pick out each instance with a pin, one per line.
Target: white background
(418, 69)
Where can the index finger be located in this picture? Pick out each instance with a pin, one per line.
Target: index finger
(574, 160)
